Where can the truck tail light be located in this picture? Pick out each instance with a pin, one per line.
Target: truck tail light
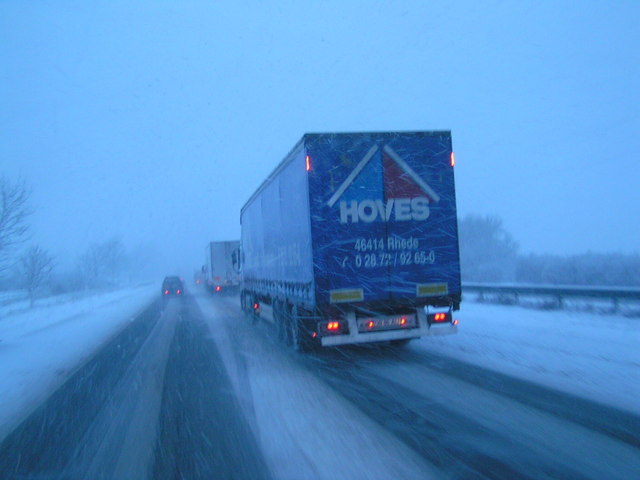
(256, 307)
(166, 292)
(218, 288)
(331, 327)
(440, 317)
(178, 291)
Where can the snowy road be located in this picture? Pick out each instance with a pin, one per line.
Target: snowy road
(196, 391)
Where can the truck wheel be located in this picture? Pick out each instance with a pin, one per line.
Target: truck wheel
(301, 340)
(279, 314)
(254, 316)
(294, 329)
(247, 303)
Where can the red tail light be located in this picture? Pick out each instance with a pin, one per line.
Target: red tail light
(178, 292)
(218, 288)
(256, 306)
(330, 328)
(166, 292)
(440, 317)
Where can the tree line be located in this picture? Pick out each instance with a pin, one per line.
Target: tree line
(31, 266)
(489, 253)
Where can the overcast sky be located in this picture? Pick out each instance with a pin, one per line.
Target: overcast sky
(155, 121)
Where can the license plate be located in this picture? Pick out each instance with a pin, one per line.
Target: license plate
(394, 322)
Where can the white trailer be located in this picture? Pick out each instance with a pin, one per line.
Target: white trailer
(223, 266)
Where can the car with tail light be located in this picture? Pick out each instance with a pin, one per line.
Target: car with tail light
(172, 286)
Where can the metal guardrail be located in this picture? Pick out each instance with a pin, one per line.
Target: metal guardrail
(559, 292)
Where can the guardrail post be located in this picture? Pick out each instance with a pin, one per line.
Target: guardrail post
(560, 302)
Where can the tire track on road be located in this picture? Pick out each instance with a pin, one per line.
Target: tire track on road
(203, 432)
(401, 395)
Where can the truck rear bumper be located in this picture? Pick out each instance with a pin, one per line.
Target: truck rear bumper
(371, 337)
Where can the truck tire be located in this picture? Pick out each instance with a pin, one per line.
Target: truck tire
(294, 329)
(279, 315)
(251, 300)
(300, 337)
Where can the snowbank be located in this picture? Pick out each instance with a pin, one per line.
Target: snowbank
(591, 355)
(41, 347)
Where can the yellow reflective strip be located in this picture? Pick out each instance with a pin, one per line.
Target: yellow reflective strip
(346, 295)
(431, 289)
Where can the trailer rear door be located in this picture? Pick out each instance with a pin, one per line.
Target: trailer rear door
(383, 216)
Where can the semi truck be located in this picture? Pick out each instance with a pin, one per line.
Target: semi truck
(353, 239)
(222, 266)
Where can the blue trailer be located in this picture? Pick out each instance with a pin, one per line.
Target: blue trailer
(353, 239)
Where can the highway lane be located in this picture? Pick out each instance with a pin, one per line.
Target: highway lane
(197, 390)
(468, 421)
(44, 443)
(154, 402)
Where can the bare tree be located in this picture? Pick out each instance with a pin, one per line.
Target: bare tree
(14, 210)
(102, 263)
(36, 265)
(488, 252)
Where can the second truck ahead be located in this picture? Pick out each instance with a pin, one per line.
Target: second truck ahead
(353, 239)
(222, 266)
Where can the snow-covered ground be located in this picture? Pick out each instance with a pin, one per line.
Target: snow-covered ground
(591, 355)
(596, 356)
(41, 347)
(298, 420)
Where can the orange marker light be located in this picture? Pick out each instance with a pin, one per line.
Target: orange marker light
(403, 321)
(452, 159)
(370, 324)
(308, 163)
